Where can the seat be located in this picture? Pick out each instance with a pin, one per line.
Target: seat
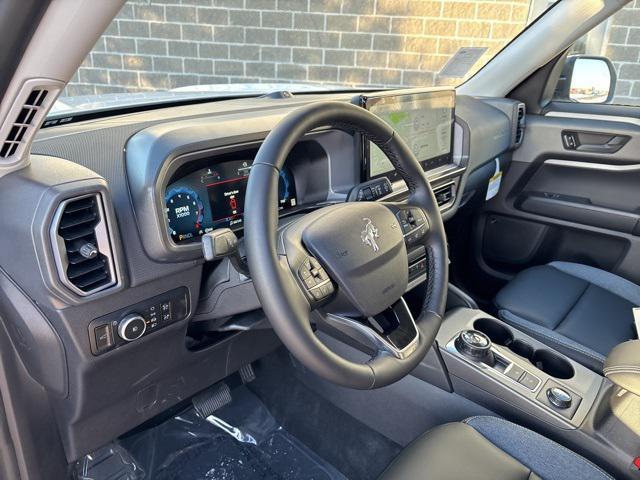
(488, 448)
(579, 310)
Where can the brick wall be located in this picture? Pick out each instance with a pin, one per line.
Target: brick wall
(623, 48)
(165, 44)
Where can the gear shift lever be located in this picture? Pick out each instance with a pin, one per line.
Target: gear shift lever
(475, 345)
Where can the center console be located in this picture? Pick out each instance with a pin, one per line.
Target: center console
(516, 376)
(517, 369)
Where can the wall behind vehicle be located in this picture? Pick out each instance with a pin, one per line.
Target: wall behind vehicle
(619, 40)
(165, 44)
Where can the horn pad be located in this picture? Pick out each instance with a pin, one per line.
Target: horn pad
(362, 247)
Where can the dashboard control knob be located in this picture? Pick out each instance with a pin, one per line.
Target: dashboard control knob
(559, 397)
(132, 327)
(474, 344)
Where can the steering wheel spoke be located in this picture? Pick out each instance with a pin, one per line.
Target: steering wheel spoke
(393, 332)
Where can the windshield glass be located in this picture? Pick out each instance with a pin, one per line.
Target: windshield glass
(159, 51)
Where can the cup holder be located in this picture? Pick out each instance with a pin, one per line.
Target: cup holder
(523, 349)
(552, 364)
(497, 332)
(545, 360)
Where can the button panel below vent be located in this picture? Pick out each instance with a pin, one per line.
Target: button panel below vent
(81, 245)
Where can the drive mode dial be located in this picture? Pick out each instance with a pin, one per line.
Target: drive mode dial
(473, 344)
(132, 327)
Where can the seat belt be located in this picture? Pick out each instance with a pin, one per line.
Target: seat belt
(636, 320)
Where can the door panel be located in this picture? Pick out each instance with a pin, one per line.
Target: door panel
(572, 199)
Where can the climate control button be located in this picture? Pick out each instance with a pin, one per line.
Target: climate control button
(132, 327)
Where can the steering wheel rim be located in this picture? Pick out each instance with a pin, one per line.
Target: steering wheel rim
(288, 311)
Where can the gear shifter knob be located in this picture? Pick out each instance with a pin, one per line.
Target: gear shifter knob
(475, 345)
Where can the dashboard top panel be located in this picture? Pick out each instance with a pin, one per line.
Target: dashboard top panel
(154, 139)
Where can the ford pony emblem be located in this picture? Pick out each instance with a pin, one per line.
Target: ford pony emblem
(369, 234)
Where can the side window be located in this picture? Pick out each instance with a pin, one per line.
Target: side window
(604, 65)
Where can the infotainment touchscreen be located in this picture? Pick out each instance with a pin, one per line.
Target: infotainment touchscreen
(423, 119)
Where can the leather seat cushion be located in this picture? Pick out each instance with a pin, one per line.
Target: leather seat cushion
(488, 448)
(581, 311)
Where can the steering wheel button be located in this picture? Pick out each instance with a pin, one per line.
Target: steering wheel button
(304, 273)
(316, 293)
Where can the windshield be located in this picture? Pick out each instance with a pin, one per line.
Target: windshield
(171, 50)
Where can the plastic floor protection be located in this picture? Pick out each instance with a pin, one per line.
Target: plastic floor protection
(241, 441)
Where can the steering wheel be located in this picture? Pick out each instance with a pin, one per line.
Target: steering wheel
(345, 266)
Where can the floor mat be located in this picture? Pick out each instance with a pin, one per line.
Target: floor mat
(241, 441)
(355, 449)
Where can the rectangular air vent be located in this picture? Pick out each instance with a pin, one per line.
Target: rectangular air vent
(28, 109)
(445, 194)
(83, 251)
(520, 122)
(23, 122)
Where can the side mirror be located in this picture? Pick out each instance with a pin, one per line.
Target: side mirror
(587, 79)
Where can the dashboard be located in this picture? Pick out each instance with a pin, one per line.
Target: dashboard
(209, 193)
(146, 186)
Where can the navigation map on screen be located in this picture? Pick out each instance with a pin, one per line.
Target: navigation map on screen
(423, 120)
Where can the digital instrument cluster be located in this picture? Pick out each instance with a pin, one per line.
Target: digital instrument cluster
(213, 197)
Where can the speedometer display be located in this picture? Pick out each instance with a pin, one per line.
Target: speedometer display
(222, 188)
(184, 214)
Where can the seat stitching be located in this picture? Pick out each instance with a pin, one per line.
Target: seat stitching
(565, 267)
(600, 359)
(558, 341)
(519, 427)
(572, 306)
(621, 370)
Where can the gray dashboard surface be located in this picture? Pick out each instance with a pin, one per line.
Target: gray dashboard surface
(100, 146)
(95, 410)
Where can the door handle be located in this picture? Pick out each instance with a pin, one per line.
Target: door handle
(593, 142)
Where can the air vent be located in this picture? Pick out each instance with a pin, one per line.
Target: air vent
(27, 113)
(81, 244)
(445, 194)
(519, 136)
(23, 121)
